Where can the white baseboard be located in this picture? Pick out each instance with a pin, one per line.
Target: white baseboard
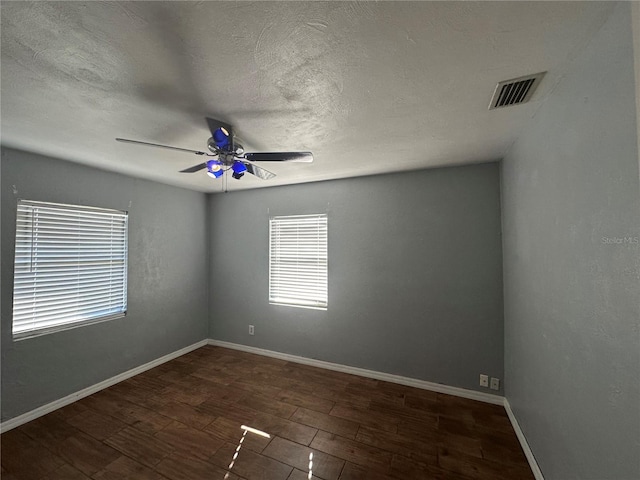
(387, 377)
(50, 407)
(537, 473)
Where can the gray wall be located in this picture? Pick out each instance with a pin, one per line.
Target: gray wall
(415, 276)
(167, 290)
(572, 293)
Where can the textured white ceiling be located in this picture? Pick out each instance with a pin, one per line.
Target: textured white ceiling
(367, 87)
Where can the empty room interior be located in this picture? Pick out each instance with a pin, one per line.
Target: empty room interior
(330, 240)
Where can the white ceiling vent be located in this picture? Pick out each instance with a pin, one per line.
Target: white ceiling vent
(515, 91)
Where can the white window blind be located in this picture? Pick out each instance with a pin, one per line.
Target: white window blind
(298, 261)
(70, 266)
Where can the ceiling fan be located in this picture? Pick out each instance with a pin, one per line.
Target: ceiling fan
(231, 155)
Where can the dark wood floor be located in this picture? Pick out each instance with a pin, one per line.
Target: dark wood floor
(183, 419)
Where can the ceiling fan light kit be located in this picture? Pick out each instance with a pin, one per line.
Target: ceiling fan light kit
(238, 169)
(214, 169)
(230, 155)
(221, 138)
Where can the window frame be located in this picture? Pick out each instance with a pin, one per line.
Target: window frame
(57, 222)
(321, 265)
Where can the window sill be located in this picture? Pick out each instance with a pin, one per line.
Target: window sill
(309, 307)
(69, 326)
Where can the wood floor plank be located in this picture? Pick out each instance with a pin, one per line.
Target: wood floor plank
(110, 404)
(231, 431)
(403, 412)
(398, 389)
(189, 397)
(226, 394)
(422, 451)
(215, 409)
(97, 425)
(177, 467)
(474, 467)
(279, 380)
(339, 395)
(460, 413)
(305, 400)
(86, 454)
(49, 431)
(326, 467)
(512, 454)
(189, 441)
(492, 421)
(367, 417)
(374, 393)
(298, 475)
(351, 471)
(25, 458)
(187, 381)
(328, 423)
(142, 447)
(146, 382)
(296, 432)
(405, 468)
(250, 465)
(265, 404)
(317, 377)
(68, 411)
(125, 468)
(250, 384)
(186, 414)
(8, 475)
(421, 400)
(460, 443)
(132, 391)
(419, 430)
(275, 367)
(234, 364)
(350, 450)
(65, 472)
(215, 377)
(156, 371)
(456, 426)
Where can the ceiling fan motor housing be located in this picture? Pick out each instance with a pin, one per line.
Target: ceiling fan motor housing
(211, 144)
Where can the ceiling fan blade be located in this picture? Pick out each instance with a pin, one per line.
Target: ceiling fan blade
(306, 157)
(215, 124)
(137, 142)
(195, 168)
(259, 171)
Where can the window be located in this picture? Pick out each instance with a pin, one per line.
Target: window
(70, 267)
(298, 261)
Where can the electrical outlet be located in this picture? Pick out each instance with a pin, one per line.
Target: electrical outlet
(251, 330)
(484, 380)
(495, 383)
